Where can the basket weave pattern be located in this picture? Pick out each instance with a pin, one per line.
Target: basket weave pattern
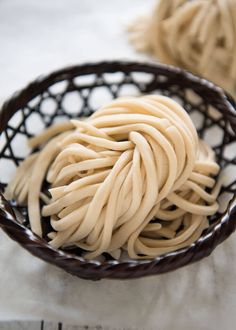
(77, 92)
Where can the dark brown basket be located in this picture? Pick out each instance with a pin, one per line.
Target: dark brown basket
(80, 90)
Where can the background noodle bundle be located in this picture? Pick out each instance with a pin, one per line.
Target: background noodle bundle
(132, 177)
(198, 35)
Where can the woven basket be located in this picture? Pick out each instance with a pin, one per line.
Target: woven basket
(78, 91)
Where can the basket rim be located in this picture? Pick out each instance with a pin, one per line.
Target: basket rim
(111, 268)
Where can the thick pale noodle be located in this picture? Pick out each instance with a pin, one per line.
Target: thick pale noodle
(197, 35)
(131, 177)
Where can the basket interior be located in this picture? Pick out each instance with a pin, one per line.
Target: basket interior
(82, 95)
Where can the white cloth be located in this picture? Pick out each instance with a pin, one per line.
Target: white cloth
(37, 37)
(200, 296)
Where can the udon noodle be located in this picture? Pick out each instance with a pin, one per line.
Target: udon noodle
(198, 35)
(132, 177)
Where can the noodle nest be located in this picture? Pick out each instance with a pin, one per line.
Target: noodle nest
(198, 35)
(133, 178)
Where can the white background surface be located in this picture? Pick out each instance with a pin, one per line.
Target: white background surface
(40, 36)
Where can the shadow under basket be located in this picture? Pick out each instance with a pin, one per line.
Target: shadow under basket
(77, 92)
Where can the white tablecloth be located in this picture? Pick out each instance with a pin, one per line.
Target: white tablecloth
(37, 37)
